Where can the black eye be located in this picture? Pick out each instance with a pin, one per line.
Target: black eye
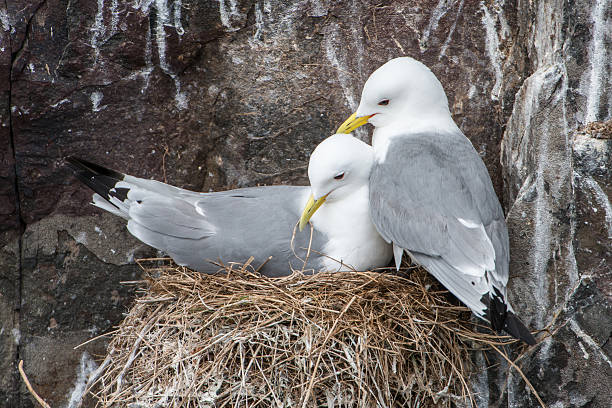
(339, 176)
(384, 102)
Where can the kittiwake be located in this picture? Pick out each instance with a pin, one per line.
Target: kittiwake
(431, 194)
(199, 230)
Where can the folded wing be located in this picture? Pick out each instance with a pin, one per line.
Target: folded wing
(198, 229)
(432, 196)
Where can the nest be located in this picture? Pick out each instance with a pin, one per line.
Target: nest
(354, 339)
(599, 130)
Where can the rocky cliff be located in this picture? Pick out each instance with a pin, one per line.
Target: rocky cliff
(220, 94)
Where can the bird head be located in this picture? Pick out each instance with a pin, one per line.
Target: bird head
(401, 92)
(338, 166)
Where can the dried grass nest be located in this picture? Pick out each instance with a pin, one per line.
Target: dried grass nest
(348, 339)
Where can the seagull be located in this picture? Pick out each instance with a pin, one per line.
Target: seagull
(430, 192)
(202, 230)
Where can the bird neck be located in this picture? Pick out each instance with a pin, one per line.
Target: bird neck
(339, 217)
(351, 236)
(408, 125)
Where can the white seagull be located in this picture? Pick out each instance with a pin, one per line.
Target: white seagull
(200, 229)
(431, 194)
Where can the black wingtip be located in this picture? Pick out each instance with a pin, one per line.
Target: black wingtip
(496, 309)
(75, 164)
(502, 319)
(100, 179)
(81, 164)
(515, 327)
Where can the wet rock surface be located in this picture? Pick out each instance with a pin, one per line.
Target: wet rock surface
(222, 94)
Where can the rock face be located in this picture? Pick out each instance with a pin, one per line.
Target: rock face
(228, 93)
(557, 169)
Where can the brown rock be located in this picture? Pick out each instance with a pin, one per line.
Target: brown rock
(215, 95)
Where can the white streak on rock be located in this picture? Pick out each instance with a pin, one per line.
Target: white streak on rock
(162, 20)
(81, 238)
(145, 73)
(259, 22)
(589, 341)
(278, 26)
(318, 9)
(86, 368)
(610, 97)
(451, 31)
(356, 34)
(148, 59)
(538, 135)
(598, 59)
(178, 25)
(16, 335)
(163, 17)
(160, 32)
(492, 47)
(101, 33)
(143, 5)
(480, 381)
(343, 71)
(63, 101)
(114, 17)
(98, 30)
(286, 23)
(585, 354)
(96, 98)
(535, 185)
(331, 41)
(546, 37)
(503, 23)
(550, 160)
(180, 98)
(602, 199)
(227, 14)
(438, 12)
(472, 91)
(4, 18)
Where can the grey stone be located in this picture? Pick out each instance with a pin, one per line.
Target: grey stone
(558, 184)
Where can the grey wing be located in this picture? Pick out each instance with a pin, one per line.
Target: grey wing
(170, 224)
(432, 196)
(197, 229)
(470, 291)
(225, 226)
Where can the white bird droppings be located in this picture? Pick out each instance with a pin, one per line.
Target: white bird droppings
(96, 98)
(86, 367)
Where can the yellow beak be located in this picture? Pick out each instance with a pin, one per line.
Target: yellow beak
(353, 123)
(311, 207)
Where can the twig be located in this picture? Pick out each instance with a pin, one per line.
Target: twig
(110, 333)
(331, 331)
(263, 264)
(292, 246)
(309, 247)
(27, 383)
(247, 264)
(166, 151)
(96, 374)
(132, 355)
(521, 374)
